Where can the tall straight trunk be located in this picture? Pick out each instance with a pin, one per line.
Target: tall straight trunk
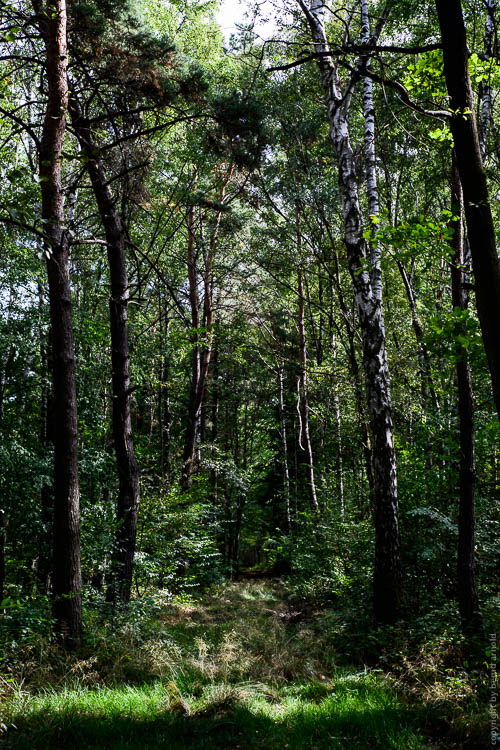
(357, 382)
(122, 564)
(371, 161)
(67, 580)
(423, 355)
(485, 91)
(304, 412)
(468, 601)
(365, 275)
(338, 426)
(196, 387)
(46, 436)
(284, 448)
(164, 405)
(479, 219)
(3, 526)
(202, 351)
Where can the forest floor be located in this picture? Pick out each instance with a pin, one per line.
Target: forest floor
(240, 669)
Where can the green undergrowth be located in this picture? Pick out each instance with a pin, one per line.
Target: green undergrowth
(240, 668)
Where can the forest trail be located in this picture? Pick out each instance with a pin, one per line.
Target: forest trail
(239, 669)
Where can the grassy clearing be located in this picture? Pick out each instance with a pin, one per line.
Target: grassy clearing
(237, 670)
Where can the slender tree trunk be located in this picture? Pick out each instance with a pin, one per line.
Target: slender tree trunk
(338, 426)
(367, 290)
(306, 435)
(202, 351)
(358, 386)
(3, 527)
(164, 405)
(67, 581)
(423, 355)
(196, 390)
(46, 435)
(467, 593)
(284, 448)
(479, 220)
(122, 564)
(485, 92)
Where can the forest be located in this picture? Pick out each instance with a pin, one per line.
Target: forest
(249, 374)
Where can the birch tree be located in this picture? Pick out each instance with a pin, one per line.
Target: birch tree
(366, 279)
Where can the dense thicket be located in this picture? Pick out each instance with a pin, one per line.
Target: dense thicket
(256, 268)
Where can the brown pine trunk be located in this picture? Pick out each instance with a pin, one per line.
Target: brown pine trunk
(479, 220)
(120, 578)
(468, 601)
(67, 582)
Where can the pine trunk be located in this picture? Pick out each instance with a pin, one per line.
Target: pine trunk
(66, 580)
(468, 601)
(479, 220)
(122, 565)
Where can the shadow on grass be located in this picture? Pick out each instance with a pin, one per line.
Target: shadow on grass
(313, 728)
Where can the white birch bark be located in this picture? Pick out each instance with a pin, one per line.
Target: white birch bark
(387, 568)
(371, 159)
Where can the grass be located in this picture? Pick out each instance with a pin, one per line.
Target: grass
(236, 670)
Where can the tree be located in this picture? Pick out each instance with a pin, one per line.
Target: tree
(479, 219)
(66, 576)
(466, 576)
(365, 274)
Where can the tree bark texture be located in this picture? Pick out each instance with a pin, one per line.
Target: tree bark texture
(387, 568)
(468, 601)
(120, 578)
(479, 220)
(66, 578)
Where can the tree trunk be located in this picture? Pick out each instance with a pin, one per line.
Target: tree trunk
(3, 526)
(164, 405)
(338, 426)
(479, 220)
(67, 582)
(485, 92)
(367, 291)
(44, 566)
(202, 351)
(122, 564)
(468, 601)
(284, 448)
(423, 355)
(196, 387)
(304, 411)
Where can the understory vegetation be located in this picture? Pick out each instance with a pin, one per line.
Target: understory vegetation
(249, 665)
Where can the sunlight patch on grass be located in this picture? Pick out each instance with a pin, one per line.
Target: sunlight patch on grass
(353, 708)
